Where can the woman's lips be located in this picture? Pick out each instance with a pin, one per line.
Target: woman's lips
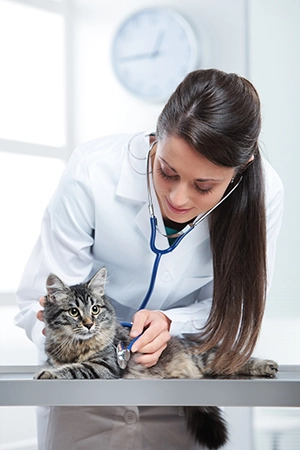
(177, 210)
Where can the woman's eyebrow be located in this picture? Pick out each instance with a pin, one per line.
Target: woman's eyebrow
(170, 167)
(200, 180)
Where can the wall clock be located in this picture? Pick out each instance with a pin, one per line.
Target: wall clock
(152, 52)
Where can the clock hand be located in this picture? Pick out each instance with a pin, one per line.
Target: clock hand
(136, 57)
(157, 45)
(155, 52)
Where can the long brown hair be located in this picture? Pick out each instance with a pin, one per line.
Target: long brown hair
(219, 115)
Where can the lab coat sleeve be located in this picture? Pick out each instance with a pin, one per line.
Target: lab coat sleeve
(64, 246)
(189, 319)
(274, 212)
(192, 318)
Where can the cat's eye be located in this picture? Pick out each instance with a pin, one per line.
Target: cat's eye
(95, 309)
(74, 312)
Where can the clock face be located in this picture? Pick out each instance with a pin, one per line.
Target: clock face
(152, 52)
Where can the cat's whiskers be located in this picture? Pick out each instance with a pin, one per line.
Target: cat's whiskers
(62, 348)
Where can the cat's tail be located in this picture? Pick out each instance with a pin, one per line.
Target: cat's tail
(207, 425)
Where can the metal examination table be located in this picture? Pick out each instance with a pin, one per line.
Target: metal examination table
(17, 388)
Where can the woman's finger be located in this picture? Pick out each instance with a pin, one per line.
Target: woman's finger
(148, 359)
(40, 316)
(42, 301)
(155, 323)
(151, 343)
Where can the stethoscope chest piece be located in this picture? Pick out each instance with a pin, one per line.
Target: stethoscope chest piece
(123, 355)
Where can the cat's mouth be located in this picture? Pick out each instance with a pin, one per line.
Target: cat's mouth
(85, 333)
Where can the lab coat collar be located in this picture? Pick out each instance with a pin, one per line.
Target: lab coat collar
(132, 181)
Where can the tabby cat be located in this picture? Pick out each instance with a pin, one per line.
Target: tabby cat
(81, 338)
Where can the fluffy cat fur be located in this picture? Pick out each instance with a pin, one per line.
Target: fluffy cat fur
(81, 338)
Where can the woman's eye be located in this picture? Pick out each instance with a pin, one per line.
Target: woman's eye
(165, 175)
(74, 312)
(95, 309)
(203, 191)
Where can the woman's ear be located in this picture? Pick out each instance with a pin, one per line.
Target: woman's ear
(248, 163)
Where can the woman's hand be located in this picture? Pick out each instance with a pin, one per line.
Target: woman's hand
(154, 339)
(40, 314)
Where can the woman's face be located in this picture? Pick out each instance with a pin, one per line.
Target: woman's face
(186, 183)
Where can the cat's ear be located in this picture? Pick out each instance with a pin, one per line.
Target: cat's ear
(56, 289)
(97, 283)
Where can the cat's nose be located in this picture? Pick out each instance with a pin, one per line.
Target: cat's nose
(88, 324)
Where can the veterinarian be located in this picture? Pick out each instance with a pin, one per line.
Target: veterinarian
(213, 284)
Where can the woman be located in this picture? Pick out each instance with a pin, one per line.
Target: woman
(213, 285)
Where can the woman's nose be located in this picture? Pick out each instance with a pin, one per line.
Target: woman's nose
(179, 195)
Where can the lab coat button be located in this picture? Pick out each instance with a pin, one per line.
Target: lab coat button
(166, 277)
(130, 417)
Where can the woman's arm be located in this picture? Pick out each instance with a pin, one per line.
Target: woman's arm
(274, 212)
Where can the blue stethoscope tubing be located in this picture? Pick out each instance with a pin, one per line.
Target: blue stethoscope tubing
(158, 254)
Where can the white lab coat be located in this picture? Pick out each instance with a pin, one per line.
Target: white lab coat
(99, 217)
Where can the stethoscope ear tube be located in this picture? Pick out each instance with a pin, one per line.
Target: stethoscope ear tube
(148, 170)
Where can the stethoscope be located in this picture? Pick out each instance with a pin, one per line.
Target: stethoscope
(123, 352)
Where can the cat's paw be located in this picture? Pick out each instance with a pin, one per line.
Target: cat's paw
(267, 368)
(45, 375)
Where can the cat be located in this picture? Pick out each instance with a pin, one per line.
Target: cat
(82, 334)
